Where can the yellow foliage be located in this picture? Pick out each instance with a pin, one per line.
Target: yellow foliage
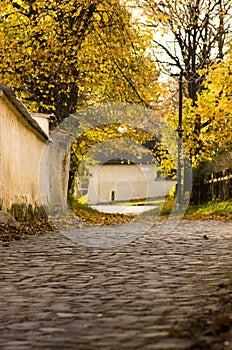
(213, 114)
(66, 55)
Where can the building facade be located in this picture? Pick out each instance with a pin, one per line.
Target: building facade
(126, 182)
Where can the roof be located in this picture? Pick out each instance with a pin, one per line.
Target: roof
(117, 161)
(41, 115)
(11, 96)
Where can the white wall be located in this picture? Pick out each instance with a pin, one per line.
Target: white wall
(21, 149)
(126, 182)
(42, 120)
(59, 165)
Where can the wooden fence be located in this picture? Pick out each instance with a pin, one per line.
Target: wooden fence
(214, 186)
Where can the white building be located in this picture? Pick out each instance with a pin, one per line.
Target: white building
(116, 182)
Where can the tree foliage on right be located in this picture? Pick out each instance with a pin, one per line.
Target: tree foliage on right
(193, 36)
(214, 103)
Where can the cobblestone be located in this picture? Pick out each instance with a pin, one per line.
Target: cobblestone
(159, 291)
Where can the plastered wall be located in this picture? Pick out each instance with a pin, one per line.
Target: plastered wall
(21, 149)
(117, 182)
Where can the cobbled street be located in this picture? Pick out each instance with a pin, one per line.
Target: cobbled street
(164, 289)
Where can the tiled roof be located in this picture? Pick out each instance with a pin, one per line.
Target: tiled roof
(11, 96)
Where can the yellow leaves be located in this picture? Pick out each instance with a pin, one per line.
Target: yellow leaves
(33, 6)
(212, 115)
(29, 51)
(43, 54)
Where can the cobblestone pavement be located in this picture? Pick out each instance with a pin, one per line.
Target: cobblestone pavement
(162, 291)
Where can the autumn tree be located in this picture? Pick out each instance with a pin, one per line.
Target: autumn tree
(188, 35)
(61, 56)
(214, 107)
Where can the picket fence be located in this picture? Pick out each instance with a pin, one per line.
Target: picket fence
(214, 186)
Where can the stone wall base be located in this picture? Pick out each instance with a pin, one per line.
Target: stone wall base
(27, 212)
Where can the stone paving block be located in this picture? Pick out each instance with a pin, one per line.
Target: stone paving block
(59, 294)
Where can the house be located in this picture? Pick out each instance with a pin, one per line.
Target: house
(25, 160)
(123, 181)
(121, 170)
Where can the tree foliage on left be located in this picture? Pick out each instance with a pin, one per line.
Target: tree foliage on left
(63, 55)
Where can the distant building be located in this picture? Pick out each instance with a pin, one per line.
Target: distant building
(114, 181)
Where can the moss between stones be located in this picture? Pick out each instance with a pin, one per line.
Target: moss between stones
(24, 212)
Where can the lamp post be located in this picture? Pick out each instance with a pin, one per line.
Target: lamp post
(180, 133)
